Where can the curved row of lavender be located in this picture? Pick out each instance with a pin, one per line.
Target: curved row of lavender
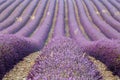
(62, 59)
(34, 21)
(43, 29)
(118, 1)
(5, 5)
(103, 26)
(4, 14)
(17, 12)
(112, 9)
(2, 1)
(107, 51)
(108, 18)
(22, 20)
(88, 26)
(14, 47)
(59, 29)
(115, 3)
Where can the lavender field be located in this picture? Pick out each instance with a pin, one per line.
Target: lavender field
(59, 39)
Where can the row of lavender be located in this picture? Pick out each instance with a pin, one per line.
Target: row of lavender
(62, 58)
(14, 47)
(62, 53)
(22, 17)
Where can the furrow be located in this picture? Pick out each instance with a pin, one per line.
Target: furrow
(110, 20)
(34, 20)
(15, 14)
(22, 20)
(8, 11)
(103, 26)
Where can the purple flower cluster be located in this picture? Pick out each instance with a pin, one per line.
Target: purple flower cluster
(13, 49)
(107, 51)
(62, 59)
(102, 48)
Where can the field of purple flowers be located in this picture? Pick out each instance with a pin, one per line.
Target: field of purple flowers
(63, 39)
